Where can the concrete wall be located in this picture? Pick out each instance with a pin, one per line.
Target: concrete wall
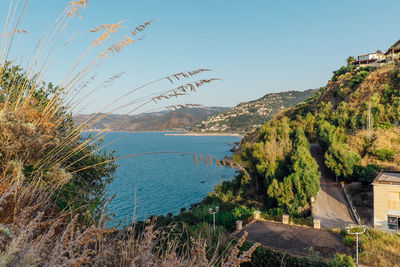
(386, 198)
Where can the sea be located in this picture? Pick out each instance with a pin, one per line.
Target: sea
(160, 175)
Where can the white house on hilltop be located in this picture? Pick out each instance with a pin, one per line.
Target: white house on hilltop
(377, 58)
(371, 57)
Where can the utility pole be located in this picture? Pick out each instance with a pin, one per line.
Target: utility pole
(369, 120)
(369, 116)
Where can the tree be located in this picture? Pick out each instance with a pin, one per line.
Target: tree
(340, 160)
(296, 189)
(350, 60)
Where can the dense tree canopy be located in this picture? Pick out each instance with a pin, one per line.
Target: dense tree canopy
(282, 159)
(296, 189)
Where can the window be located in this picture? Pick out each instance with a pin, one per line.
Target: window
(393, 195)
(393, 223)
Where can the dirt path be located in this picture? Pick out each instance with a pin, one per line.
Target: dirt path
(295, 239)
(330, 206)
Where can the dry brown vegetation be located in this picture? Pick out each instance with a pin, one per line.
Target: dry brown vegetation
(338, 91)
(35, 236)
(381, 139)
(379, 248)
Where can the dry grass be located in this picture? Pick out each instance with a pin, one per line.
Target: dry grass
(381, 139)
(380, 248)
(34, 230)
(39, 235)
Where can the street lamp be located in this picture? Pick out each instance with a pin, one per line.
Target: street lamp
(213, 212)
(355, 230)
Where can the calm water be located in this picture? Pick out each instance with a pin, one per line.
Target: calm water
(164, 182)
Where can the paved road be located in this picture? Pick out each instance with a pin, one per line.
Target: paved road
(295, 239)
(330, 206)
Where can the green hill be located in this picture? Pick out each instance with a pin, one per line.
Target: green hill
(278, 170)
(355, 118)
(248, 115)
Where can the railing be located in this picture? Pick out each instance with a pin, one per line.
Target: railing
(352, 207)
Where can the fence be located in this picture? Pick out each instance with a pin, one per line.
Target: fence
(353, 209)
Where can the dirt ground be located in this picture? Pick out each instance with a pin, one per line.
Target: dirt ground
(295, 239)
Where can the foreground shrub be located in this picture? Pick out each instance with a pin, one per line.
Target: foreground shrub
(37, 236)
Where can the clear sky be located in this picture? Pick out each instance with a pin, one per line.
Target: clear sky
(255, 47)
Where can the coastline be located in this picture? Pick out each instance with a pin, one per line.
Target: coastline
(172, 133)
(205, 134)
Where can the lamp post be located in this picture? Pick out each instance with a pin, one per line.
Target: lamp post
(213, 212)
(355, 230)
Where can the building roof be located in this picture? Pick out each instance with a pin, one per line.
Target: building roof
(373, 53)
(395, 47)
(388, 177)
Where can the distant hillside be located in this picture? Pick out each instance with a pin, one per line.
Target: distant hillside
(155, 121)
(247, 115)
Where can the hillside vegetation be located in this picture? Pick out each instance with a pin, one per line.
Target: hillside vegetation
(337, 117)
(355, 118)
(248, 115)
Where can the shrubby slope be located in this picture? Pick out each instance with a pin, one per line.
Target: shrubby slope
(355, 119)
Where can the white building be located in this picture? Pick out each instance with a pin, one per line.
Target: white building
(378, 55)
(371, 58)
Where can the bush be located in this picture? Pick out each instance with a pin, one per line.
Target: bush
(348, 241)
(272, 215)
(242, 212)
(59, 153)
(365, 174)
(303, 221)
(341, 71)
(358, 78)
(265, 257)
(226, 219)
(341, 260)
(384, 154)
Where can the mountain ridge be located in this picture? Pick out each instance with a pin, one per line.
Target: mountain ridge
(153, 121)
(247, 115)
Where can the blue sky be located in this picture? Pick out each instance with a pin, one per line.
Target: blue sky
(254, 47)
